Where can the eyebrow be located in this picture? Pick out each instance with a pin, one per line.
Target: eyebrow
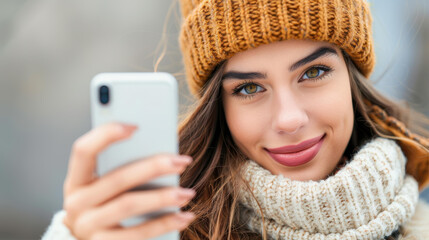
(322, 51)
(243, 75)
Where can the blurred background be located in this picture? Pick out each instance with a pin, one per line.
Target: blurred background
(50, 50)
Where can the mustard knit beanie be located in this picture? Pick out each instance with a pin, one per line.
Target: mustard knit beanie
(215, 30)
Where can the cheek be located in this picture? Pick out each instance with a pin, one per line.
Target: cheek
(246, 124)
(335, 110)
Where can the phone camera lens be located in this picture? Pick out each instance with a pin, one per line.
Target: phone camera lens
(104, 94)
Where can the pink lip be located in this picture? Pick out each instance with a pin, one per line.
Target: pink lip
(295, 155)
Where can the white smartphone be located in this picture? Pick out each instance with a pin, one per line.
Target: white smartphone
(150, 101)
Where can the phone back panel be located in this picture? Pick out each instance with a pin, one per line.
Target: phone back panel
(150, 101)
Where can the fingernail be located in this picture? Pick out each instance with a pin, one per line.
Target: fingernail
(185, 217)
(185, 193)
(127, 128)
(181, 160)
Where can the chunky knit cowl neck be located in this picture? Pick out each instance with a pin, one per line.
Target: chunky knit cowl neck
(369, 198)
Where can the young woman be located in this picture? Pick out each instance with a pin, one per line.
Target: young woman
(288, 138)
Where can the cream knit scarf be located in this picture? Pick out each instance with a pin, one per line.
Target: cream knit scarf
(369, 198)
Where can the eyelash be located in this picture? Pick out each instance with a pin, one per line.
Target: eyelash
(236, 90)
(324, 68)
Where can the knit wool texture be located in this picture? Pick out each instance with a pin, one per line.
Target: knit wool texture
(369, 198)
(215, 30)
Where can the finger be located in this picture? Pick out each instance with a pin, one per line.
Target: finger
(126, 178)
(82, 162)
(150, 229)
(129, 205)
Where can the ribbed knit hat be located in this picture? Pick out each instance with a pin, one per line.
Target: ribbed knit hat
(215, 30)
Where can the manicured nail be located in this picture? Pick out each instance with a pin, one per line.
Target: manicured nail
(185, 193)
(185, 217)
(128, 128)
(181, 160)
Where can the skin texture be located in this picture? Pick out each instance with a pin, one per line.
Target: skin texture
(288, 107)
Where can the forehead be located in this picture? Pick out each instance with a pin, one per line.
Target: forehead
(287, 52)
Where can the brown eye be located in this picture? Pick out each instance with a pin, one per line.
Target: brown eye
(250, 88)
(313, 72)
(316, 73)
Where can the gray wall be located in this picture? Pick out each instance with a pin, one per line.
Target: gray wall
(50, 49)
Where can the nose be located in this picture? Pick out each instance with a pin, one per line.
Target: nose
(289, 116)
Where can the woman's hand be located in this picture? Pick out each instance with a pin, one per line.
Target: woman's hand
(95, 206)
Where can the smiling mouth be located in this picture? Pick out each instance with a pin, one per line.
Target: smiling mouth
(296, 155)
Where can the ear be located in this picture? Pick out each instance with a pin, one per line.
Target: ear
(415, 147)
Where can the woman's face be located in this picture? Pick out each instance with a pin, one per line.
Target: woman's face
(288, 106)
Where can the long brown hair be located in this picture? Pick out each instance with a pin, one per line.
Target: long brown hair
(214, 175)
